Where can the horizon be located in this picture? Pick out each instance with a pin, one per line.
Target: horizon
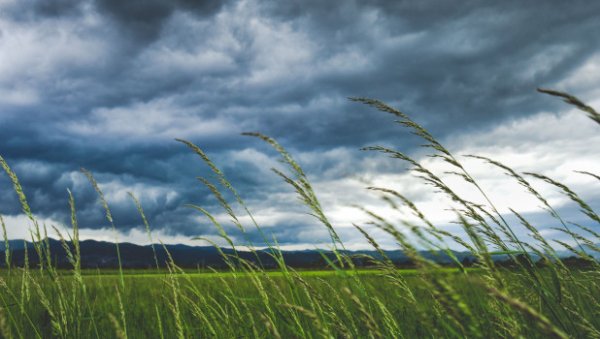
(108, 87)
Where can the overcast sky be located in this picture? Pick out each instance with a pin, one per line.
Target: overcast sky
(108, 85)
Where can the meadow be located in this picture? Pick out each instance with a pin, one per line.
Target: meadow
(537, 296)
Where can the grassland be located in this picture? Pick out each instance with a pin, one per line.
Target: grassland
(529, 300)
(309, 304)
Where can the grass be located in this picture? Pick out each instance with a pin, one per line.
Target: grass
(528, 300)
(206, 273)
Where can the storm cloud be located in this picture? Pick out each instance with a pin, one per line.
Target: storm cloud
(108, 85)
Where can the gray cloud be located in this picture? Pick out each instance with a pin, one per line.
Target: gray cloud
(107, 85)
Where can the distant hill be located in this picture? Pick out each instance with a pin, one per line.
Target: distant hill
(14, 244)
(102, 254)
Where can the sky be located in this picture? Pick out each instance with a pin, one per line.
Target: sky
(108, 85)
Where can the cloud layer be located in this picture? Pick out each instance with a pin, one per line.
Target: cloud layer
(108, 85)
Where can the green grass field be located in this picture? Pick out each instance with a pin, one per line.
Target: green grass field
(368, 303)
(532, 299)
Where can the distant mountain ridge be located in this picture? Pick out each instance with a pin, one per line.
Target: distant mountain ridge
(102, 254)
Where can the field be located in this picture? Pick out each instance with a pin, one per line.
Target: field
(538, 295)
(308, 304)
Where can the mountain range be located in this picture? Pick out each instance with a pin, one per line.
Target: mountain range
(102, 254)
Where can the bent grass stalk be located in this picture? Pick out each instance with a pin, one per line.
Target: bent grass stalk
(146, 225)
(109, 217)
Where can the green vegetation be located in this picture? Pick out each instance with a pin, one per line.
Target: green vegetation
(528, 300)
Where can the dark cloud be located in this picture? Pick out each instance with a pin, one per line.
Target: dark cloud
(107, 85)
(144, 19)
(29, 10)
(56, 8)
